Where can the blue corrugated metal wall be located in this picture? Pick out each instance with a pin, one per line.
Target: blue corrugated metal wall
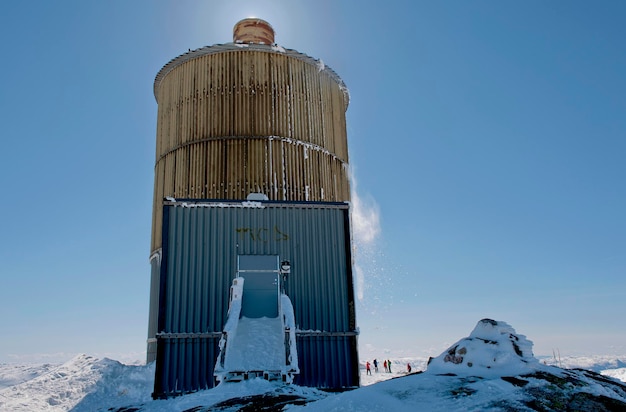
(155, 273)
(201, 242)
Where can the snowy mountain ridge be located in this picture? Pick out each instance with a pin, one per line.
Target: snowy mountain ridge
(491, 369)
(62, 387)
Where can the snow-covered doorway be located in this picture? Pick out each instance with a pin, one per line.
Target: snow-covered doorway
(261, 287)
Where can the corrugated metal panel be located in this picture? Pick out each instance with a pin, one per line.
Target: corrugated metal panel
(184, 365)
(329, 362)
(155, 273)
(200, 247)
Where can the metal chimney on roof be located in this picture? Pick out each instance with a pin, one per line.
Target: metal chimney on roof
(253, 30)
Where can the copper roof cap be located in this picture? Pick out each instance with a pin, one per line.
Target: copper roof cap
(253, 30)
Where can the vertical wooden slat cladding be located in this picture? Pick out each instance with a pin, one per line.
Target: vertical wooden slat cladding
(235, 119)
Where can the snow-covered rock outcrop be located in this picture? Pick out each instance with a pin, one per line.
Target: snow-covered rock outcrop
(492, 349)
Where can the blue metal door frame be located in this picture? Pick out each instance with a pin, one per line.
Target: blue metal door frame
(262, 285)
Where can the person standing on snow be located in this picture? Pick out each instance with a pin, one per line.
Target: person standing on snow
(375, 366)
(368, 370)
(389, 365)
(408, 368)
(385, 365)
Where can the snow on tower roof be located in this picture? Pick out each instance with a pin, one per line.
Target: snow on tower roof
(237, 47)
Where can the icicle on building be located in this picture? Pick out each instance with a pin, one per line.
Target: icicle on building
(251, 266)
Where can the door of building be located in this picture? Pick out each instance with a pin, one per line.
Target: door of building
(261, 286)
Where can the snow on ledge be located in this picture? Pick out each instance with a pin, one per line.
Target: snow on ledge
(243, 204)
(278, 48)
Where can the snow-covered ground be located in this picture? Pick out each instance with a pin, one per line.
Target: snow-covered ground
(465, 377)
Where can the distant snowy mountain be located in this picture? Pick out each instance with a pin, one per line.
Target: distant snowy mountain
(63, 387)
(11, 375)
(619, 373)
(492, 369)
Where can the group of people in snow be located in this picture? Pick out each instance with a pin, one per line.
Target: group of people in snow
(386, 365)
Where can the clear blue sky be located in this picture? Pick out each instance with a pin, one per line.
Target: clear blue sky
(489, 136)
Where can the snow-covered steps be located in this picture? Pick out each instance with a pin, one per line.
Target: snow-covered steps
(263, 347)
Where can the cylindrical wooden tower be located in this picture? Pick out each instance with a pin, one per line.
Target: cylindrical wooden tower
(249, 117)
(240, 118)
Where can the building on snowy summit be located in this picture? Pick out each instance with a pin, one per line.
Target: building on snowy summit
(251, 265)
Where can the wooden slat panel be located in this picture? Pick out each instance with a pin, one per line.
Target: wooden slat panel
(237, 122)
